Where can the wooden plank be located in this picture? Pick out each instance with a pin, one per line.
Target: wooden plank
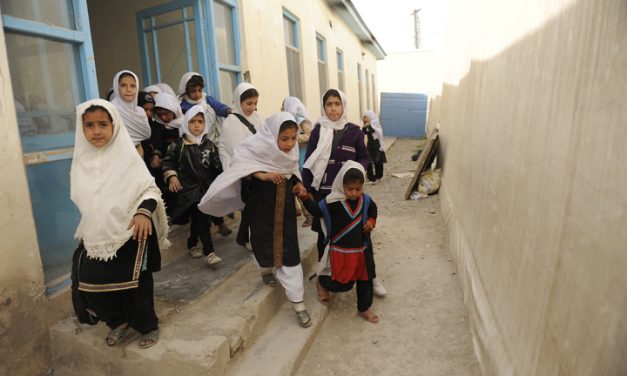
(425, 159)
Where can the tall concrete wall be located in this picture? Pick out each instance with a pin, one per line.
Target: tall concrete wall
(533, 120)
(24, 345)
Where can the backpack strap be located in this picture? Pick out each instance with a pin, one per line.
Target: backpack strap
(245, 121)
(326, 217)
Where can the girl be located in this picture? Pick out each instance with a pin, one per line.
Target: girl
(168, 113)
(122, 228)
(191, 93)
(376, 148)
(243, 122)
(270, 160)
(295, 107)
(349, 217)
(190, 167)
(333, 141)
(125, 100)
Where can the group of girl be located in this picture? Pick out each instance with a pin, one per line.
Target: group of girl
(208, 169)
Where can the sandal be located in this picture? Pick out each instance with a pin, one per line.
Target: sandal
(369, 316)
(323, 294)
(304, 320)
(150, 339)
(268, 279)
(116, 335)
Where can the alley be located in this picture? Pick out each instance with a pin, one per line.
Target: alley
(424, 326)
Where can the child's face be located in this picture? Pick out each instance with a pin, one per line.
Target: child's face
(287, 139)
(165, 115)
(366, 120)
(97, 128)
(127, 88)
(333, 108)
(353, 190)
(149, 109)
(197, 125)
(249, 105)
(194, 93)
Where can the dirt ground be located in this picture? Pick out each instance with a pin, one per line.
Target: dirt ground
(423, 328)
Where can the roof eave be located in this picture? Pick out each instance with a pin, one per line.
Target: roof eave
(351, 17)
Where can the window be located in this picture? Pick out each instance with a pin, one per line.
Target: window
(172, 42)
(340, 69)
(49, 50)
(361, 100)
(368, 104)
(292, 52)
(374, 94)
(322, 63)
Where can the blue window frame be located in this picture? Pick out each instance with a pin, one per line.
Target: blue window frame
(340, 69)
(206, 31)
(321, 48)
(52, 67)
(292, 52)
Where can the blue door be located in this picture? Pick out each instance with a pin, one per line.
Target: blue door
(403, 114)
(52, 69)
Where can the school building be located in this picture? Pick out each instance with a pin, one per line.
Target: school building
(55, 54)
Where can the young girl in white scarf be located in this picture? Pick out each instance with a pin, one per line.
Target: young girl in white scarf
(122, 228)
(269, 159)
(125, 100)
(189, 168)
(376, 148)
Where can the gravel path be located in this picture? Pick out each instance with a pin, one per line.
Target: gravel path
(423, 328)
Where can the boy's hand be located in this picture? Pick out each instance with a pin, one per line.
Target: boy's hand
(369, 226)
(174, 184)
(142, 227)
(300, 191)
(155, 162)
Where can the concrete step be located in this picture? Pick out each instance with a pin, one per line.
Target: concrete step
(204, 335)
(284, 344)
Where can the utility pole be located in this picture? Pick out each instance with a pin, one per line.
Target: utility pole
(416, 28)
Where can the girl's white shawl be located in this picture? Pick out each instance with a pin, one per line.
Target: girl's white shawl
(211, 118)
(169, 102)
(134, 117)
(233, 130)
(257, 153)
(318, 160)
(376, 125)
(107, 185)
(295, 107)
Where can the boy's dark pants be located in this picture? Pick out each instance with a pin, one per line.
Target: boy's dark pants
(200, 228)
(375, 171)
(365, 290)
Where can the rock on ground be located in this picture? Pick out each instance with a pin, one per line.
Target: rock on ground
(423, 328)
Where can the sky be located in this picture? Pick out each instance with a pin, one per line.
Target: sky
(392, 22)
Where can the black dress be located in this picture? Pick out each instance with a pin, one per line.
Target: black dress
(260, 209)
(376, 157)
(119, 290)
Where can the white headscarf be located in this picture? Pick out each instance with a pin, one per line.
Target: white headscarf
(165, 88)
(153, 89)
(169, 102)
(318, 160)
(376, 125)
(337, 189)
(107, 185)
(259, 152)
(134, 117)
(184, 130)
(254, 118)
(211, 117)
(295, 107)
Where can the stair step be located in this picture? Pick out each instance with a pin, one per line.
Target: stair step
(200, 333)
(284, 344)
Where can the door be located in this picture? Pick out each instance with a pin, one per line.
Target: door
(191, 35)
(403, 114)
(52, 70)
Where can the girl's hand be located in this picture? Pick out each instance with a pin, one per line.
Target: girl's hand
(300, 191)
(142, 227)
(174, 184)
(369, 226)
(274, 177)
